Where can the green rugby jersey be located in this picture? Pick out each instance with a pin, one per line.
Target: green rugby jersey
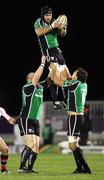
(75, 96)
(32, 100)
(48, 40)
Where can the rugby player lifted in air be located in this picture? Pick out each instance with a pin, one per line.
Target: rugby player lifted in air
(47, 30)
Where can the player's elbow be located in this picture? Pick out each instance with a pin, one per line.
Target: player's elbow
(38, 32)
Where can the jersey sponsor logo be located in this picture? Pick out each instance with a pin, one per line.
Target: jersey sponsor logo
(38, 95)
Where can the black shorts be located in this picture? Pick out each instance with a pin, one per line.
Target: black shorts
(29, 127)
(55, 56)
(74, 124)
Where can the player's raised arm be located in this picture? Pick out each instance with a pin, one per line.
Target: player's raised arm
(39, 71)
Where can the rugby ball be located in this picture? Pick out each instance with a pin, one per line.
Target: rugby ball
(63, 19)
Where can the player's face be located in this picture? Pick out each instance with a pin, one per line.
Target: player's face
(47, 18)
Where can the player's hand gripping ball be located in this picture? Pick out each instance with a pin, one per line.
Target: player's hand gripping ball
(63, 20)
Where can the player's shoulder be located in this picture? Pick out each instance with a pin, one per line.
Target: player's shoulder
(27, 84)
(37, 21)
(74, 82)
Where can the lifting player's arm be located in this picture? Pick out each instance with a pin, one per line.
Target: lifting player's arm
(39, 71)
(68, 73)
(10, 119)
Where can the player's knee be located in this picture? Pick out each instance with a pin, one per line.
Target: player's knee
(29, 144)
(5, 150)
(72, 146)
(73, 141)
(35, 149)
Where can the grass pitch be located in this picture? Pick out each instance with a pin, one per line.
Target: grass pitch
(53, 165)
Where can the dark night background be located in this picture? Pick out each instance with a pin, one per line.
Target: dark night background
(20, 51)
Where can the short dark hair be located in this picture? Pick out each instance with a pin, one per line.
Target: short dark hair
(45, 10)
(82, 75)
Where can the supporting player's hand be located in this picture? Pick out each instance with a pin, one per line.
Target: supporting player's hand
(12, 120)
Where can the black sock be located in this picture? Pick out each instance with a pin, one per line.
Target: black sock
(79, 166)
(81, 158)
(4, 158)
(24, 156)
(32, 158)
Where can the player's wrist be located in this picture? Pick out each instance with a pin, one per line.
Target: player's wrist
(51, 27)
(42, 64)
